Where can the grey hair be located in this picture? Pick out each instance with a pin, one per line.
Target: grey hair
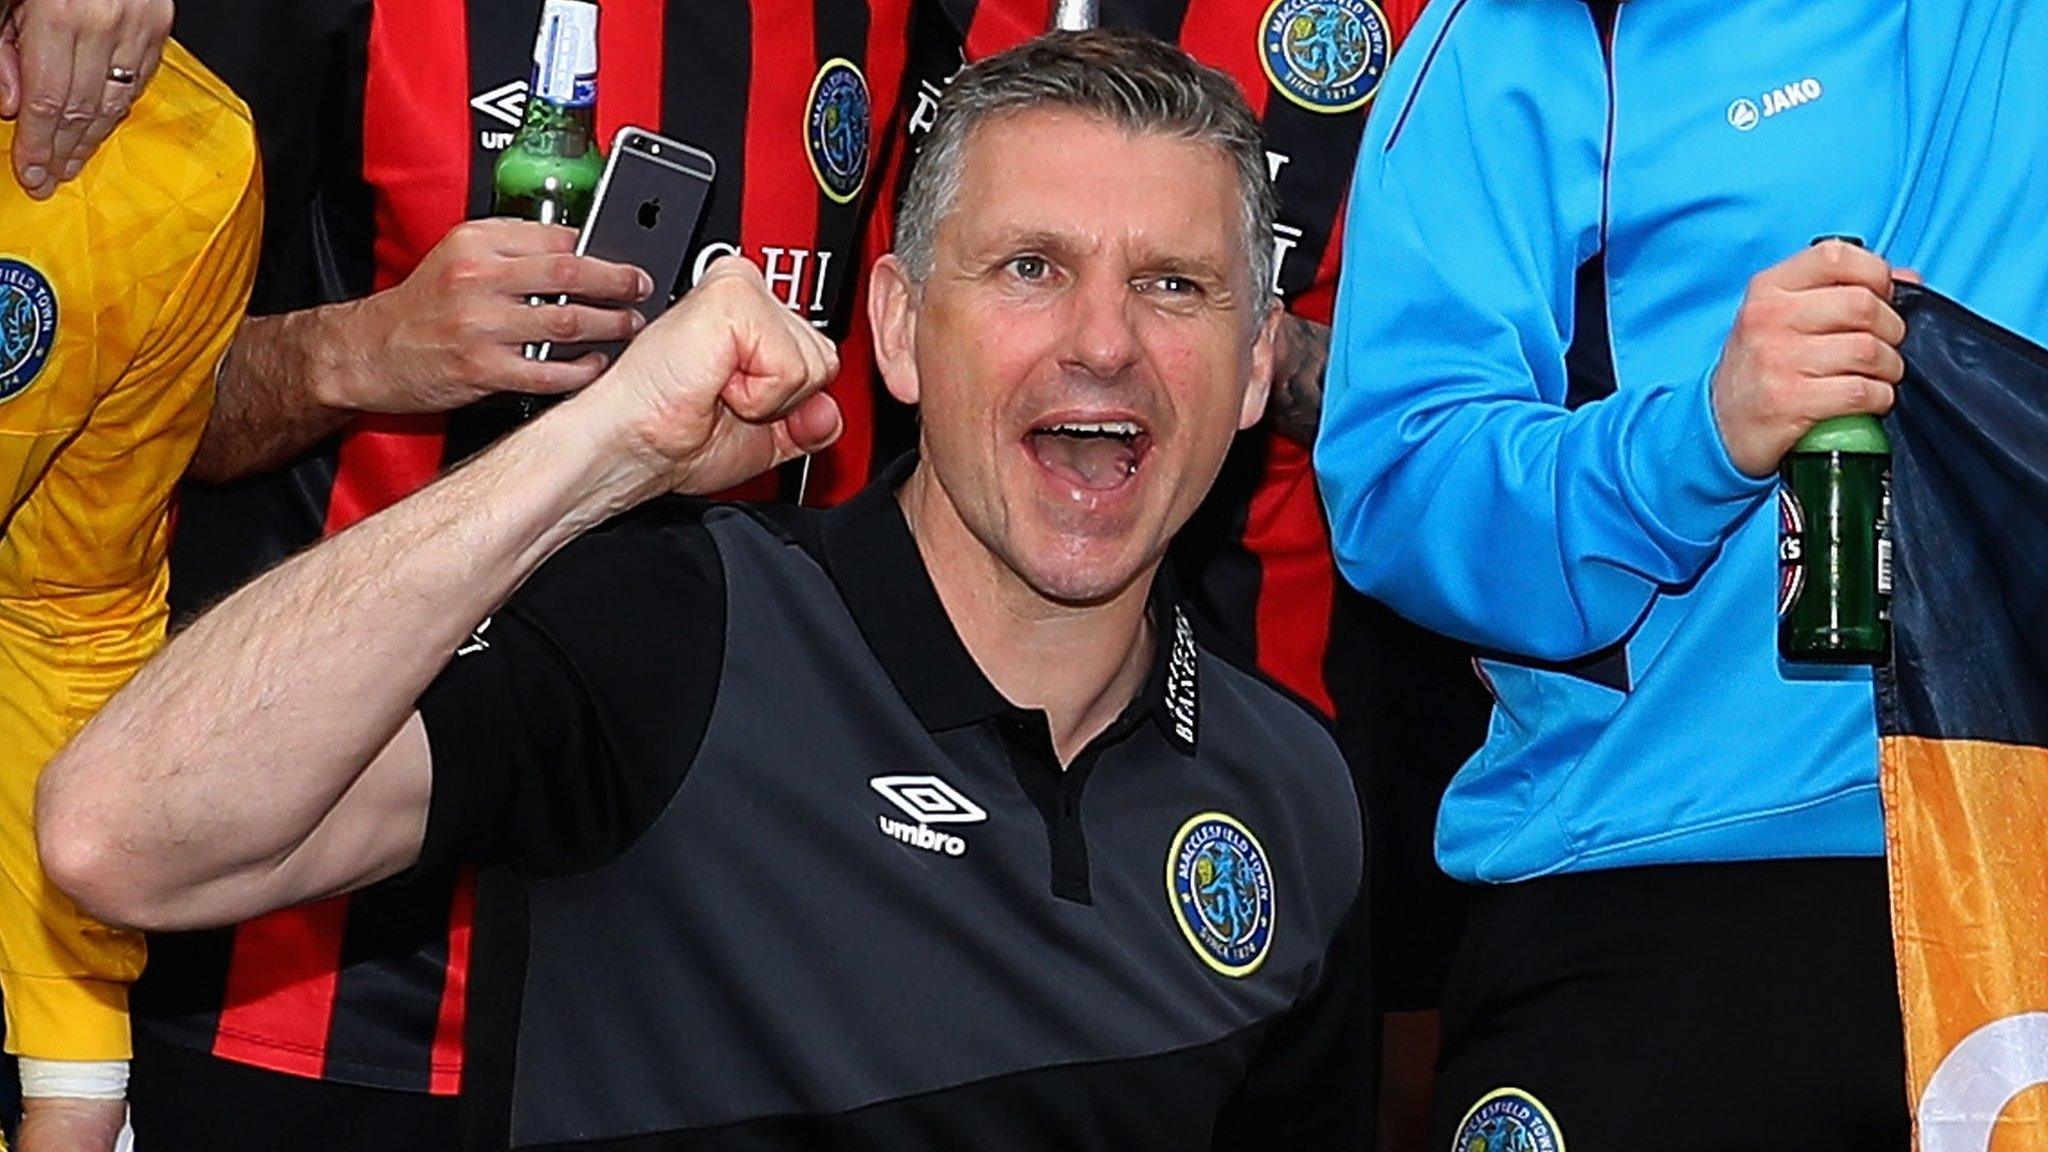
(1133, 80)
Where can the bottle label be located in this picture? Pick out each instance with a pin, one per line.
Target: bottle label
(1829, 514)
(1884, 545)
(1791, 549)
(565, 54)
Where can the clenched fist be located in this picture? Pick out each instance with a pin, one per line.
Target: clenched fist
(724, 386)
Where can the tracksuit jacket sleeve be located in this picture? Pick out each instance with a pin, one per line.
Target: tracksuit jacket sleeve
(1461, 489)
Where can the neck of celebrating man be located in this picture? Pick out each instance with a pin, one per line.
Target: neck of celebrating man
(1080, 664)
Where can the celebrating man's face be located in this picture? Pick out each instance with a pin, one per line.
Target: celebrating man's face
(1086, 345)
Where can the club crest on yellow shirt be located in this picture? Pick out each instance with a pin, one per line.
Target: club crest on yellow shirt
(28, 325)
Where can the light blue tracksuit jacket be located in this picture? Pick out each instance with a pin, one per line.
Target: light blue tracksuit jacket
(1603, 547)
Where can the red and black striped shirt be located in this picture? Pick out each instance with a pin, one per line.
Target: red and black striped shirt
(381, 119)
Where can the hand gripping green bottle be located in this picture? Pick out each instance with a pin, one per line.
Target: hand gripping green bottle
(549, 171)
(1834, 543)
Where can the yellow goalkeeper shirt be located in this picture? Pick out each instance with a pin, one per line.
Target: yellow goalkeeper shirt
(118, 297)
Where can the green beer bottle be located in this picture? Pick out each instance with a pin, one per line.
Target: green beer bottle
(1834, 543)
(550, 170)
(1834, 546)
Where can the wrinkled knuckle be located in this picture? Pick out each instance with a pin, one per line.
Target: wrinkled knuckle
(460, 272)
(561, 324)
(562, 272)
(47, 105)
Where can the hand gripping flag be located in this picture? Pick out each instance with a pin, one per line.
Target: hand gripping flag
(1963, 710)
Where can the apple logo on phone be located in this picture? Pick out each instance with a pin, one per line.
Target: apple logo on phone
(650, 212)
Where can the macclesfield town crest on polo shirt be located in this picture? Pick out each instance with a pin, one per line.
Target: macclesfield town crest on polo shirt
(1325, 55)
(837, 128)
(1222, 892)
(28, 325)
(1508, 1120)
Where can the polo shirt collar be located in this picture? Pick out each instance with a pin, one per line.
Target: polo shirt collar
(874, 561)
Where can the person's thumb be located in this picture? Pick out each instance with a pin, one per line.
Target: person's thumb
(814, 424)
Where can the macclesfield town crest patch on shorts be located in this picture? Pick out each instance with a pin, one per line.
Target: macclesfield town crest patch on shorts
(1325, 55)
(1222, 892)
(28, 325)
(837, 122)
(1508, 1120)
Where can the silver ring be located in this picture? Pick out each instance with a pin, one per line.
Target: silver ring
(120, 75)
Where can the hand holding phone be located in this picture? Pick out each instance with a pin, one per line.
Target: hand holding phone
(645, 212)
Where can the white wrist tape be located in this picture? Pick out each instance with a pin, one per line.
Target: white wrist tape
(74, 1079)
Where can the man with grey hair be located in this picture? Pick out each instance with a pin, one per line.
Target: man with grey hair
(927, 822)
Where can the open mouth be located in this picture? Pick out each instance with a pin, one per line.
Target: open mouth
(1095, 455)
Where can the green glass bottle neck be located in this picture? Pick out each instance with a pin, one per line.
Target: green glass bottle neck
(1859, 433)
(551, 169)
(565, 124)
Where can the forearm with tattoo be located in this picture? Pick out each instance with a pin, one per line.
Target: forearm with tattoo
(1296, 404)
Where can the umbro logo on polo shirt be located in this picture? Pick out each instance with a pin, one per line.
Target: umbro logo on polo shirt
(927, 800)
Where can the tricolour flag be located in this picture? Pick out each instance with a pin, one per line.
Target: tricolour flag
(1963, 711)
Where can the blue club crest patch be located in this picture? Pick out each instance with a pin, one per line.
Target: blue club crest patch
(836, 128)
(1508, 1120)
(1222, 892)
(1325, 55)
(28, 325)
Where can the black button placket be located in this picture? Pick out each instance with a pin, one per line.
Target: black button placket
(1056, 793)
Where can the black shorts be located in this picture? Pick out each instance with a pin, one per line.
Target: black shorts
(181, 1099)
(1714, 1007)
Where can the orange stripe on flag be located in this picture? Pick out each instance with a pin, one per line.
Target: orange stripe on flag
(1967, 829)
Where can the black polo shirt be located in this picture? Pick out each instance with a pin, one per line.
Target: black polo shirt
(795, 874)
